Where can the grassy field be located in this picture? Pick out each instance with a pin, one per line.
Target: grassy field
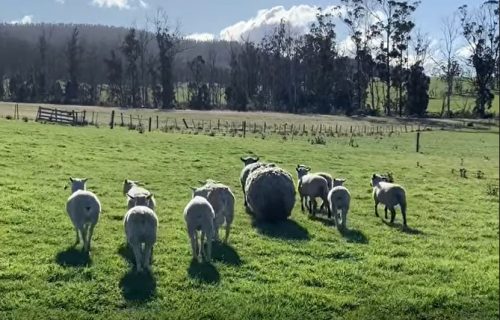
(446, 266)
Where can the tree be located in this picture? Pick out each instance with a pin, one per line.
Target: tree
(73, 56)
(417, 88)
(199, 97)
(130, 49)
(115, 79)
(167, 44)
(480, 30)
(41, 70)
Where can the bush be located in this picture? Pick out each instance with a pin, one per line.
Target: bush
(318, 140)
(9, 117)
(25, 119)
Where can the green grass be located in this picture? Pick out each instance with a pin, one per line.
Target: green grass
(444, 267)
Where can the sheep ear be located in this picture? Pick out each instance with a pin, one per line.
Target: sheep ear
(65, 187)
(150, 196)
(244, 159)
(125, 181)
(202, 182)
(128, 195)
(374, 176)
(193, 189)
(256, 158)
(85, 180)
(308, 168)
(70, 179)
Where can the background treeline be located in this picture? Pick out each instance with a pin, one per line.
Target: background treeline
(154, 67)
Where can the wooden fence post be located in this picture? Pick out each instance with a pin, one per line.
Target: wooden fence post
(418, 141)
(244, 128)
(157, 122)
(149, 125)
(112, 122)
(185, 123)
(84, 115)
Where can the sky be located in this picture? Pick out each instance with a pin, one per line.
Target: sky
(206, 20)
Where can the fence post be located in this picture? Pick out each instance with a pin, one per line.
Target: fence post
(218, 124)
(244, 128)
(418, 141)
(112, 122)
(130, 121)
(84, 115)
(264, 127)
(149, 125)
(185, 123)
(284, 129)
(121, 118)
(157, 122)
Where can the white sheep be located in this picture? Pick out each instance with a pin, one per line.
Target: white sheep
(199, 216)
(339, 199)
(141, 225)
(311, 186)
(270, 194)
(222, 200)
(83, 208)
(390, 195)
(327, 176)
(131, 188)
(249, 164)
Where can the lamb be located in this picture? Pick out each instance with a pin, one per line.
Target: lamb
(312, 186)
(389, 194)
(339, 199)
(327, 176)
(222, 200)
(83, 208)
(199, 216)
(141, 225)
(132, 188)
(270, 194)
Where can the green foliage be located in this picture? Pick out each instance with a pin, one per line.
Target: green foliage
(417, 87)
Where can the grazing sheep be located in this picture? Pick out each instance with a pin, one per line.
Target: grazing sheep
(339, 199)
(199, 216)
(327, 176)
(222, 200)
(83, 208)
(270, 194)
(250, 164)
(390, 195)
(141, 225)
(312, 186)
(131, 188)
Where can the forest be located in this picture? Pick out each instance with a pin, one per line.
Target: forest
(155, 67)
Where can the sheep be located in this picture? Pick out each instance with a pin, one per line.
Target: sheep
(222, 200)
(389, 194)
(199, 216)
(339, 199)
(141, 225)
(312, 186)
(131, 187)
(270, 194)
(250, 164)
(83, 208)
(327, 176)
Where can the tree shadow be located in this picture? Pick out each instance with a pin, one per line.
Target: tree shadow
(225, 253)
(402, 228)
(204, 272)
(138, 287)
(289, 230)
(72, 257)
(354, 236)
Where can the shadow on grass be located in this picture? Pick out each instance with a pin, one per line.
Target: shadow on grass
(323, 219)
(225, 253)
(126, 253)
(353, 235)
(288, 229)
(204, 272)
(72, 257)
(138, 287)
(400, 227)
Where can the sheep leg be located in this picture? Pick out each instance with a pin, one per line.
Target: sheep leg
(385, 211)
(83, 231)
(393, 214)
(376, 211)
(403, 212)
(89, 236)
(209, 248)
(77, 236)
(344, 217)
(302, 203)
(148, 251)
(136, 248)
(314, 206)
(228, 229)
(336, 216)
(325, 202)
(194, 244)
(216, 233)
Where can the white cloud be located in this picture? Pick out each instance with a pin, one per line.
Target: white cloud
(120, 4)
(60, 1)
(201, 37)
(298, 18)
(24, 20)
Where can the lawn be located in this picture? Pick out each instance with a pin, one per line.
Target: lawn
(446, 266)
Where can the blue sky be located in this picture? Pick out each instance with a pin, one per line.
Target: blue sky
(195, 16)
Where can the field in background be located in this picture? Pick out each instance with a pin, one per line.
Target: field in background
(446, 266)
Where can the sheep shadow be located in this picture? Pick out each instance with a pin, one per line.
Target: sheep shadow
(400, 227)
(224, 253)
(72, 257)
(138, 287)
(354, 236)
(126, 253)
(323, 219)
(288, 230)
(204, 272)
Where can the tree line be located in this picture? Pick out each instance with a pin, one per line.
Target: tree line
(383, 74)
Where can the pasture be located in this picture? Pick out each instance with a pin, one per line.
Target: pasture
(446, 266)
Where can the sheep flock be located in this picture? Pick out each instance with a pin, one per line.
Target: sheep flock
(269, 195)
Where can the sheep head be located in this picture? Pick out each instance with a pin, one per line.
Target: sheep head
(302, 170)
(249, 160)
(78, 184)
(141, 199)
(338, 182)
